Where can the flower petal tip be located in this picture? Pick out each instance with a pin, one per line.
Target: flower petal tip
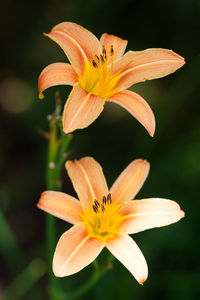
(182, 214)
(39, 204)
(151, 133)
(152, 126)
(57, 274)
(67, 129)
(141, 282)
(41, 96)
(144, 161)
(182, 60)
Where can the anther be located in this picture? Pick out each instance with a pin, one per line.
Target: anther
(104, 51)
(95, 209)
(111, 50)
(102, 59)
(102, 208)
(104, 200)
(94, 64)
(109, 198)
(97, 57)
(96, 203)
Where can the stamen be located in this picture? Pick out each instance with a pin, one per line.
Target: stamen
(102, 59)
(111, 50)
(109, 198)
(104, 200)
(97, 57)
(102, 208)
(96, 203)
(104, 51)
(94, 64)
(95, 209)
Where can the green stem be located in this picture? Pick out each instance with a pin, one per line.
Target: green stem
(57, 149)
(98, 272)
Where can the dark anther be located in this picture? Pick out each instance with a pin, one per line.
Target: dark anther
(97, 57)
(111, 50)
(102, 208)
(104, 51)
(102, 59)
(104, 200)
(95, 209)
(96, 203)
(109, 198)
(94, 64)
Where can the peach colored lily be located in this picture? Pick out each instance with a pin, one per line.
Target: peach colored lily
(104, 218)
(100, 72)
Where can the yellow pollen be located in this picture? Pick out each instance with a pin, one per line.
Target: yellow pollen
(103, 219)
(97, 77)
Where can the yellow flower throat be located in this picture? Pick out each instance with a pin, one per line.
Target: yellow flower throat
(97, 77)
(103, 219)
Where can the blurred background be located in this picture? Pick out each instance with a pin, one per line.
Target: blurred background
(114, 139)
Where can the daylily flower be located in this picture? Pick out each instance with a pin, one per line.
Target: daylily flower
(100, 72)
(104, 218)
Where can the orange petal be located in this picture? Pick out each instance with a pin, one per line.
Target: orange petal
(88, 180)
(79, 44)
(119, 45)
(61, 205)
(75, 250)
(129, 254)
(138, 107)
(130, 181)
(56, 74)
(81, 109)
(144, 214)
(144, 65)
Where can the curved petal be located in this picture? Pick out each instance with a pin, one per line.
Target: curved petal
(81, 109)
(119, 45)
(129, 254)
(144, 214)
(138, 107)
(79, 44)
(88, 180)
(61, 205)
(130, 181)
(137, 66)
(74, 251)
(56, 74)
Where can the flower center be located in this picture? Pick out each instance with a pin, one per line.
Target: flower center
(97, 77)
(103, 219)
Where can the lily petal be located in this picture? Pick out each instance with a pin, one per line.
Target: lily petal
(55, 74)
(81, 109)
(129, 254)
(61, 205)
(137, 66)
(144, 214)
(75, 250)
(138, 107)
(88, 180)
(118, 44)
(130, 181)
(79, 44)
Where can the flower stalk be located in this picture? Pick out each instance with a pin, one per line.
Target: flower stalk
(57, 151)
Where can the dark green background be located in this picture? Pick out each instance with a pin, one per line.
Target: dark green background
(114, 139)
